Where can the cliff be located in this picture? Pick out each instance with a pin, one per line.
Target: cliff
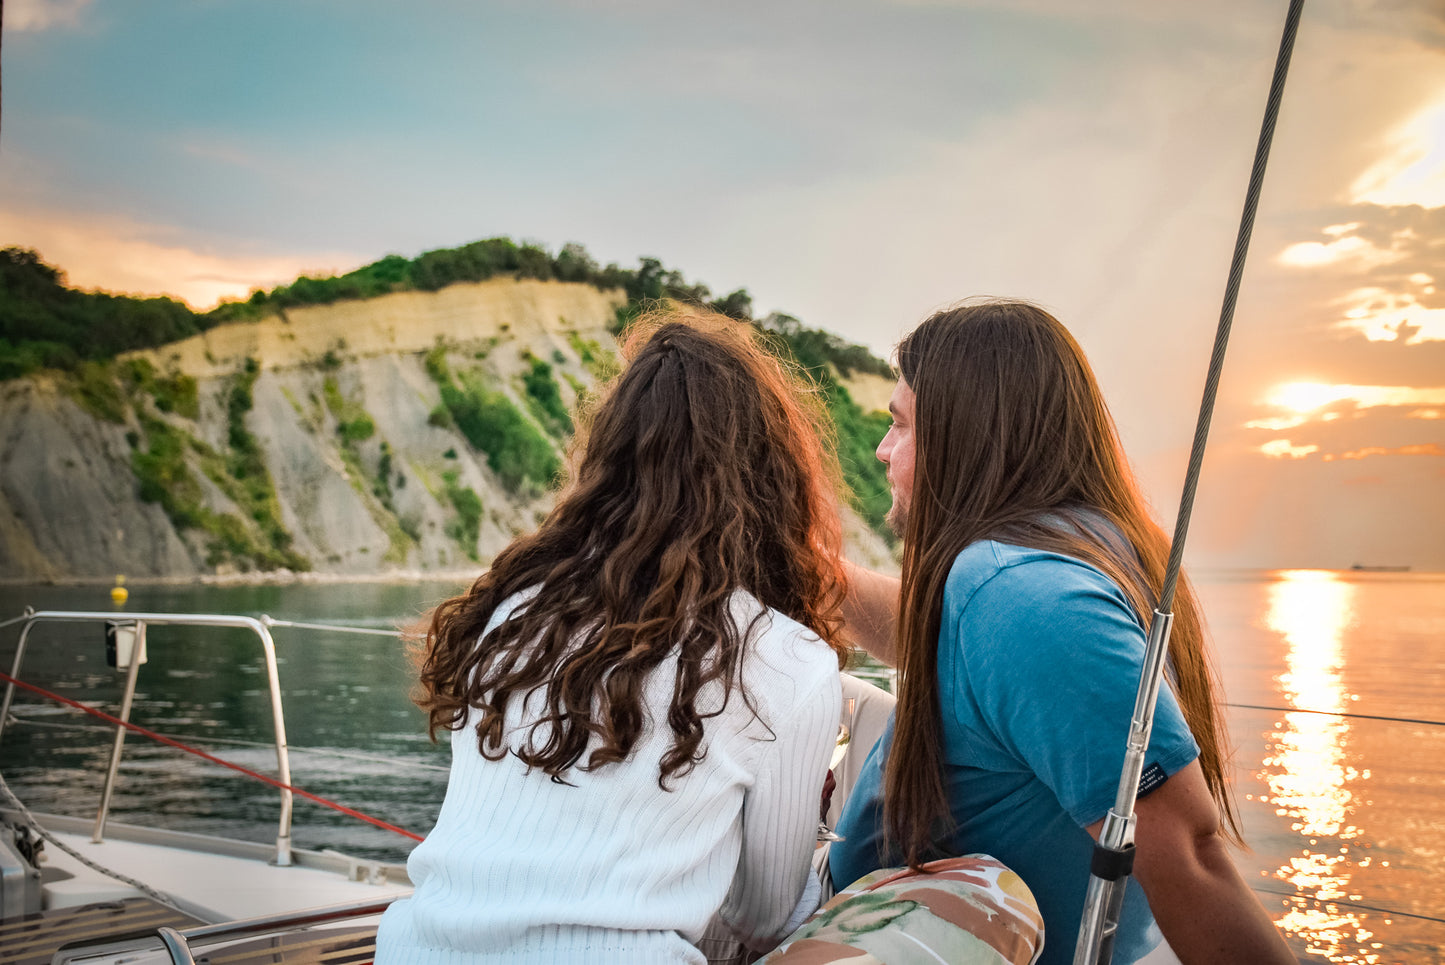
(405, 435)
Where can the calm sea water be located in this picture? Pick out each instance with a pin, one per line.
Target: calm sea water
(1345, 815)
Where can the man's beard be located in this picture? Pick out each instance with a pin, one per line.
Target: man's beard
(897, 518)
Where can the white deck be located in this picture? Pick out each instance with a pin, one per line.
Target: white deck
(212, 879)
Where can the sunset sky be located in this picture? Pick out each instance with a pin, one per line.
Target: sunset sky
(856, 164)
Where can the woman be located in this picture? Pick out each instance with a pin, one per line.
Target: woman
(643, 695)
(1030, 566)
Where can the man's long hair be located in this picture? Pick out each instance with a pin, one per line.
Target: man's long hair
(1013, 440)
(703, 472)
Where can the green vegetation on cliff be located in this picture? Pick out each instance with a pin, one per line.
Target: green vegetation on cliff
(859, 433)
(544, 398)
(162, 455)
(44, 324)
(174, 392)
(516, 451)
(467, 528)
(354, 426)
(243, 475)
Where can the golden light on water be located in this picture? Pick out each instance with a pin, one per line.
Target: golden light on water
(1305, 769)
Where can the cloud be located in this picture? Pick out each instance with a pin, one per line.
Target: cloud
(1383, 316)
(1283, 449)
(224, 152)
(1304, 397)
(124, 256)
(1422, 449)
(36, 15)
(1347, 431)
(1349, 250)
(1412, 169)
(1277, 424)
(1383, 261)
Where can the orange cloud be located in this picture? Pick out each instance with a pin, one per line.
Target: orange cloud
(43, 14)
(1423, 449)
(1350, 248)
(1282, 449)
(1277, 424)
(1306, 397)
(121, 256)
(1383, 316)
(1412, 170)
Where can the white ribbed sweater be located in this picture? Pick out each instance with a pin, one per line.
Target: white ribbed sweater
(520, 869)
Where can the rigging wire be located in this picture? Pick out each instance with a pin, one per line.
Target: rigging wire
(1113, 855)
(1231, 297)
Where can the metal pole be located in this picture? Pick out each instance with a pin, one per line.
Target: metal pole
(177, 947)
(283, 760)
(132, 671)
(1113, 858)
(15, 673)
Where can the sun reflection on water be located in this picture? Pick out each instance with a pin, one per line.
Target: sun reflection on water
(1306, 771)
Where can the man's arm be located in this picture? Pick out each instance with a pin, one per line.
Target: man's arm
(870, 612)
(1205, 910)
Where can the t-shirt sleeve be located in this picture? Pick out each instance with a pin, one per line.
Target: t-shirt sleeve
(1052, 654)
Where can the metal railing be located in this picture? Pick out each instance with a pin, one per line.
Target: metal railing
(177, 943)
(140, 621)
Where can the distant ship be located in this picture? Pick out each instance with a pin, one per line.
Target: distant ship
(1363, 568)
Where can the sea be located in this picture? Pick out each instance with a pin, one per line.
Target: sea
(1335, 684)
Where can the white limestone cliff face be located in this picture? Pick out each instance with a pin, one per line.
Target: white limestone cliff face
(68, 502)
(380, 506)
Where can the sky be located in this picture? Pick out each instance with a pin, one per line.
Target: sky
(855, 163)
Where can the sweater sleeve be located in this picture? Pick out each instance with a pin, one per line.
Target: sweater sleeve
(780, 817)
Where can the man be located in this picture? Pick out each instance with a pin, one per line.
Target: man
(1030, 562)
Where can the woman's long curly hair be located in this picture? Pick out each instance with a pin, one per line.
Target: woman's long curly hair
(704, 471)
(1015, 443)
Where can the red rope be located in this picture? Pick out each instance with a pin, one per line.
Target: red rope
(210, 757)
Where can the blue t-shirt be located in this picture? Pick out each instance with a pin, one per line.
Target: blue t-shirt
(1039, 657)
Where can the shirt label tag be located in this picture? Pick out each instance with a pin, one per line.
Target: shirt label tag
(1153, 777)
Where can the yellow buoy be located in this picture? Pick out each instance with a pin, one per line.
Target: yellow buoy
(118, 593)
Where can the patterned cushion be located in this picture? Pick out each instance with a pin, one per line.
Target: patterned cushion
(965, 911)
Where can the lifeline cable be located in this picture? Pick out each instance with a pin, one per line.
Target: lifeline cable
(1341, 713)
(22, 720)
(171, 742)
(1312, 899)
